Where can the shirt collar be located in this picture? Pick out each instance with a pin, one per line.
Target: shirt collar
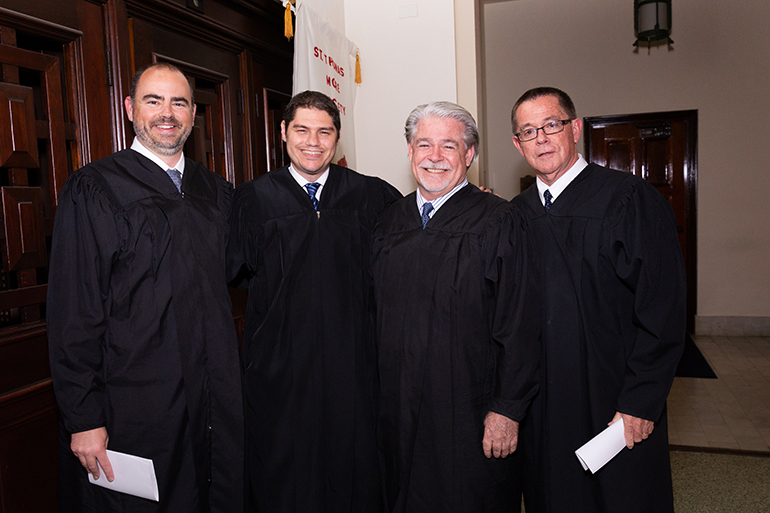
(440, 200)
(140, 148)
(563, 181)
(302, 181)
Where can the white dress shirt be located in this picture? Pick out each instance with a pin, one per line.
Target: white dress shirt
(562, 182)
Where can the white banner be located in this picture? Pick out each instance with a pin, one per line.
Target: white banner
(325, 61)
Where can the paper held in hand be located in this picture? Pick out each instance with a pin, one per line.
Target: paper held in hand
(133, 475)
(602, 448)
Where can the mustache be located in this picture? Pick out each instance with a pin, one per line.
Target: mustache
(166, 120)
(427, 164)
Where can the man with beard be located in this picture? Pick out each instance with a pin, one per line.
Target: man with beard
(457, 354)
(613, 319)
(300, 244)
(138, 253)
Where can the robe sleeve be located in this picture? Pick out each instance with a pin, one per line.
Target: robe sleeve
(388, 194)
(647, 258)
(242, 245)
(85, 242)
(224, 196)
(515, 316)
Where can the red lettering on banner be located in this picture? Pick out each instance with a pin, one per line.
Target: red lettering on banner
(332, 82)
(339, 106)
(317, 52)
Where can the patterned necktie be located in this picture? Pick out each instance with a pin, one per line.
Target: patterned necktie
(312, 188)
(548, 198)
(427, 208)
(176, 177)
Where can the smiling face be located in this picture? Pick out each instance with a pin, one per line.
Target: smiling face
(162, 112)
(311, 141)
(550, 155)
(439, 156)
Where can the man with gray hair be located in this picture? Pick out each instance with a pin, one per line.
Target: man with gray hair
(613, 319)
(457, 355)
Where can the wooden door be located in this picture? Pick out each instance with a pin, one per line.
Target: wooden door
(275, 103)
(46, 106)
(271, 84)
(661, 148)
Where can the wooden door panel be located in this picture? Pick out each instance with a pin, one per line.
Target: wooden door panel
(25, 360)
(275, 103)
(24, 229)
(44, 136)
(18, 135)
(28, 448)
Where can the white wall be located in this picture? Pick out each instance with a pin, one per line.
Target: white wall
(719, 65)
(404, 62)
(333, 11)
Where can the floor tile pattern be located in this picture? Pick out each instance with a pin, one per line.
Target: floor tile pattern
(731, 412)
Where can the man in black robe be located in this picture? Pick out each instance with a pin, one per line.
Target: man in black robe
(613, 319)
(300, 243)
(142, 343)
(457, 340)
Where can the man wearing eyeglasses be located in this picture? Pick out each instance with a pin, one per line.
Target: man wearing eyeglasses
(612, 319)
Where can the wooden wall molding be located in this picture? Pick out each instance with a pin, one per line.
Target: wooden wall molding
(258, 8)
(44, 28)
(185, 21)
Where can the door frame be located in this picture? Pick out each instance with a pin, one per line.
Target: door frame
(645, 120)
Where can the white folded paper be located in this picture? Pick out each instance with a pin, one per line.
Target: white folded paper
(602, 448)
(133, 475)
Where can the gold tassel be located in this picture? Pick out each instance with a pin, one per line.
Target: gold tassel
(288, 29)
(358, 69)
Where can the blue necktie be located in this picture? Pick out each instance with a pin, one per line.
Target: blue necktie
(176, 177)
(427, 208)
(548, 198)
(312, 188)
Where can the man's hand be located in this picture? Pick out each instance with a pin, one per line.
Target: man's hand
(90, 446)
(634, 429)
(501, 435)
(484, 189)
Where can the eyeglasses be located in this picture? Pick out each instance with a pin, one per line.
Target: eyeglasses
(554, 127)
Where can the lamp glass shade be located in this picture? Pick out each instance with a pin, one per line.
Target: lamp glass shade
(652, 14)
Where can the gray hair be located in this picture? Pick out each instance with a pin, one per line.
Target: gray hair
(444, 110)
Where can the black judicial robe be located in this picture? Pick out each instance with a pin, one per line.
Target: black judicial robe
(309, 362)
(613, 325)
(457, 338)
(141, 333)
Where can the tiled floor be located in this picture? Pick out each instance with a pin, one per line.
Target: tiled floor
(731, 412)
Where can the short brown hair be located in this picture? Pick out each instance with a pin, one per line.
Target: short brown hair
(312, 100)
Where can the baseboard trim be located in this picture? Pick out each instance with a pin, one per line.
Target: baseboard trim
(732, 326)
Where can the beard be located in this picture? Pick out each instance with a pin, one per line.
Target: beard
(430, 181)
(163, 145)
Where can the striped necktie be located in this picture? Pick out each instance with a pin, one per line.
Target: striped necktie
(312, 188)
(427, 208)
